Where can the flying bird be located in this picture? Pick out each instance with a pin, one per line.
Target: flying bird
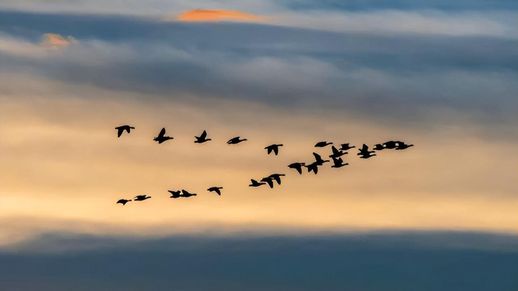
(202, 138)
(123, 201)
(215, 189)
(338, 163)
(123, 128)
(337, 153)
(346, 147)
(276, 177)
(141, 197)
(318, 159)
(322, 144)
(236, 140)
(187, 194)
(268, 180)
(379, 147)
(274, 148)
(254, 183)
(175, 194)
(297, 166)
(162, 137)
(390, 144)
(364, 152)
(313, 167)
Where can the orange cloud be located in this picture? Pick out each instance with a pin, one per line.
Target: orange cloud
(53, 40)
(209, 15)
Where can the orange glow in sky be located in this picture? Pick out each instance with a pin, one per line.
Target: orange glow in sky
(211, 15)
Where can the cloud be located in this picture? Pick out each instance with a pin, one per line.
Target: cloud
(54, 40)
(212, 15)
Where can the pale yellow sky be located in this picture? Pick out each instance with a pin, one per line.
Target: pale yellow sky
(62, 166)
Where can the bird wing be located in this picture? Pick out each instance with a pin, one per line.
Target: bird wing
(277, 179)
(268, 181)
(119, 131)
(162, 132)
(317, 157)
(203, 135)
(218, 191)
(276, 150)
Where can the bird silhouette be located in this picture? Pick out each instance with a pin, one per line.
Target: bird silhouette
(274, 148)
(276, 177)
(141, 197)
(121, 129)
(215, 189)
(254, 183)
(346, 147)
(123, 201)
(364, 152)
(202, 138)
(338, 163)
(268, 180)
(313, 167)
(161, 137)
(175, 194)
(236, 140)
(322, 144)
(187, 194)
(297, 166)
(318, 159)
(390, 144)
(379, 147)
(337, 153)
(401, 145)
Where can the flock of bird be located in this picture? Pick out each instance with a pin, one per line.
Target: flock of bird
(336, 156)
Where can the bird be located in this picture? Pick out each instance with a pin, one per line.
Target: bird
(313, 167)
(401, 145)
(215, 189)
(162, 137)
(274, 148)
(175, 194)
(254, 183)
(390, 144)
(141, 197)
(346, 147)
(122, 128)
(364, 152)
(378, 147)
(318, 159)
(338, 163)
(337, 153)
(202, 138)
(297, 166)
(187, 194)
(268, 181)
(322, 144)
(123, 201)
(236, 140)
(277, 177)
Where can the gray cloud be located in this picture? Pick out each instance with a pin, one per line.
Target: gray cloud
(388, 261)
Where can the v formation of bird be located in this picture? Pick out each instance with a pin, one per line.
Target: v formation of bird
(337, 151)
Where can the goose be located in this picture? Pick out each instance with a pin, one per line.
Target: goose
(123, 128)
(161, 137)
(123, 201)
(297, 166)
(322, 144)
(202, 138)
(215, 189)
(236, 140)
(273, 148)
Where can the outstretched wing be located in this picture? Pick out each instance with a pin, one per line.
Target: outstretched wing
(162, 132)
(203, 135)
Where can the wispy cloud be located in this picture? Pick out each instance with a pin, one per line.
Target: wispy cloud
(214, 15)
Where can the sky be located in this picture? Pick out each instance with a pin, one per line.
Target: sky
(438, 74)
